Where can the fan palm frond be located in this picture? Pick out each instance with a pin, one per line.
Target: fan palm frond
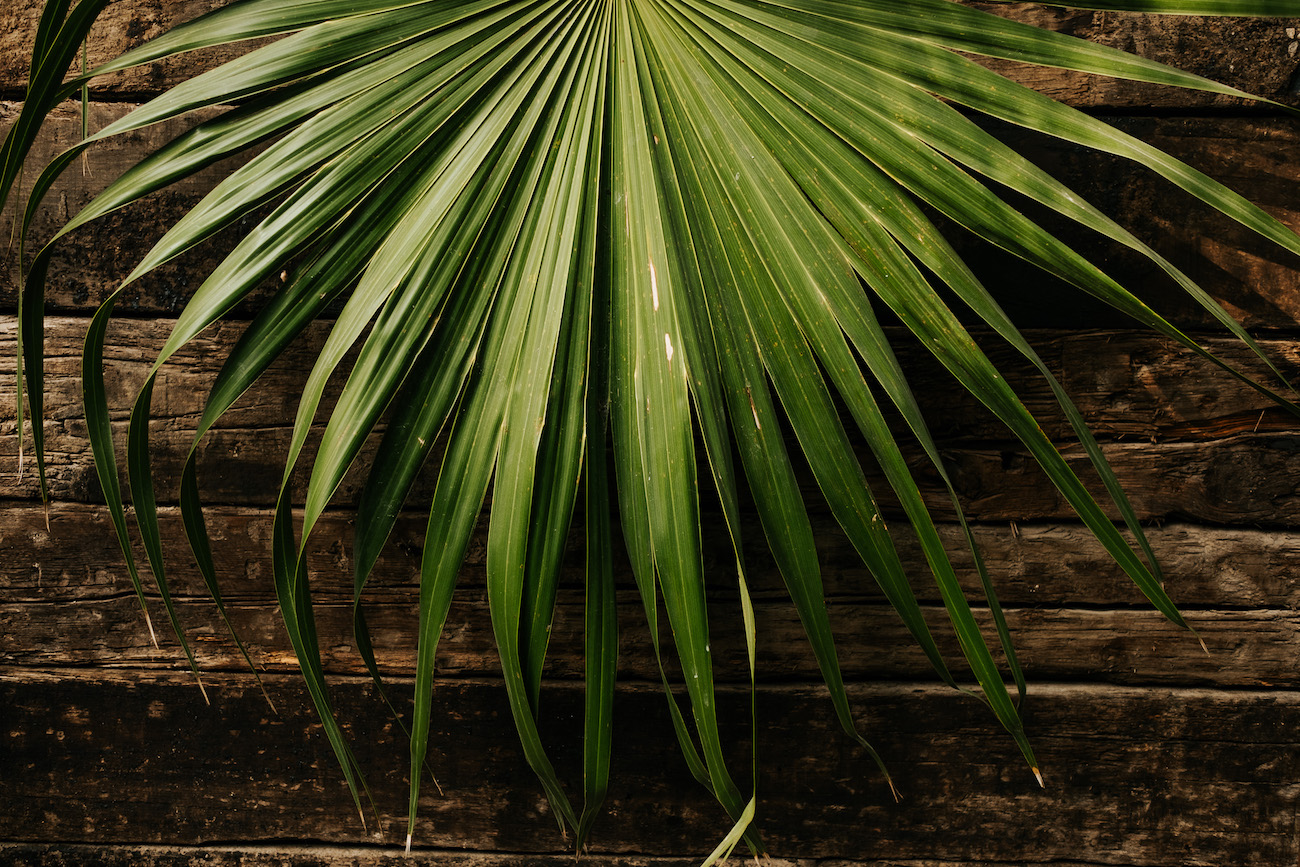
(560, 236)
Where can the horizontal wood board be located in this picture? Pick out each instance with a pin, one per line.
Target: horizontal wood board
(1139, 776)
(73, 855)
(1257, 56)
(1249, 276)
(1220, 451)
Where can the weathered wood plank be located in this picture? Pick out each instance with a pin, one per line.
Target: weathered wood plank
(1253, 156)
(120, 27)
(1254, 55)
(1128, 385)
(1246, 648)
(1149, 777)
(1246, 479)
(1253, 279)
(283, 855)
(77, 855)
(75, 560)
(92, 262)
(1258, 56)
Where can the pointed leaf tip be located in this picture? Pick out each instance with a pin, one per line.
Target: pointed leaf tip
(153, 636)
(1040, 778)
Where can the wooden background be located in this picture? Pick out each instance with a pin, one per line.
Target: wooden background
(1154, 752)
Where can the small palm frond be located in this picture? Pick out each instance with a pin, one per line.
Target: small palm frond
(555, 236)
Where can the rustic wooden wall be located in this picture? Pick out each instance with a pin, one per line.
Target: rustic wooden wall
(1154, 752)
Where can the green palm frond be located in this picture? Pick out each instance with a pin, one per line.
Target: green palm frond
(562, 236)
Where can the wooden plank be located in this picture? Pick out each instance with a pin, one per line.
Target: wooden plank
(75, 560)
(91, 263)
(1258, 56)
(1255, 55)
(1254, 156)
(1219, 450)
(1252, 278)
(1127, 384)
(119, 28)
(1246, 479)
(285, 855)
(1246, 648)
(76, 855)
(1153, 776)
(67, 604)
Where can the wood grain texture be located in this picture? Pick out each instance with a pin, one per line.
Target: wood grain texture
(69, 555)
(1128, 385)
(91, 263)
(67, 603)
(1253, 156)
(1251, 278)
(1251, 648)
(1257, 56)
(1248, 478)
(1150, 776)
(119, 28)
(1221, 452)
(76, 855)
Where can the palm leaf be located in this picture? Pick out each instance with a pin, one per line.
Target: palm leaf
(570, 231)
